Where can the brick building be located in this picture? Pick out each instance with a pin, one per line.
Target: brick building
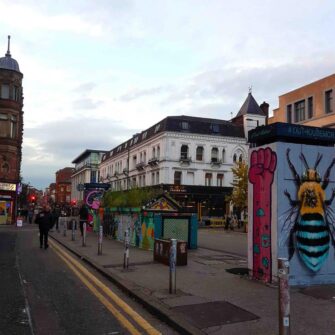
(63, 186)
(309, 105)
(11, 129)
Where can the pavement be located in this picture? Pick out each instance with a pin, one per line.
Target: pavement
(214, 293)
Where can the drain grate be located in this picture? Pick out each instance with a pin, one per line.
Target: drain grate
(214, 313)
(239, 271)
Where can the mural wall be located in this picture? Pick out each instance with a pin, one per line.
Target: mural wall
(261, 172)
(291, 212)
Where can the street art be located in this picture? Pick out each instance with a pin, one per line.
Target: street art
(93, 200)
(141, 229)
(310, 222)
(262, 167)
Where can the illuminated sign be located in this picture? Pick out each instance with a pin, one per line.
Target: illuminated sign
(7, 187)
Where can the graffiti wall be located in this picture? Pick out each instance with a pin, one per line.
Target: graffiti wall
(141, 228)
(291, 211)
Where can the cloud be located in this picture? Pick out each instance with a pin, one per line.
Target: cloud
(86, 103)
(85, 87)
(138, 93)
(62, 141)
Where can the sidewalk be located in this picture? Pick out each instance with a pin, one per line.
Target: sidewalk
(209, 299)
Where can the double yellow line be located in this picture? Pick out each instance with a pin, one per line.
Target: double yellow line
(94, 283)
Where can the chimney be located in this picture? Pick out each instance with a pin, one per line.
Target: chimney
(265, 108)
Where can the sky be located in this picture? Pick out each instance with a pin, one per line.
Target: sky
(97, 72)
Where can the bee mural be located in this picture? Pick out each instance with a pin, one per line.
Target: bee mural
(309, 224)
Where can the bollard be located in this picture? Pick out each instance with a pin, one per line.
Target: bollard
(284, 296)
(84, 234)
(73, 222)
(126, 250)
(100, 241)
(64, 227)
(173, 261)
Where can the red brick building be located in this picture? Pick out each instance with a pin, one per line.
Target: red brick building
(11, 129)
(63, 186)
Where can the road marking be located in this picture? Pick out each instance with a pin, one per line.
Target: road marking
(124, 306)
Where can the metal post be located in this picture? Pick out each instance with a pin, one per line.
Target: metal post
(73, 222)
(126, 250)
(173, 261)
(284, 296)
(64, 226)
(84, 234)
(100, 240)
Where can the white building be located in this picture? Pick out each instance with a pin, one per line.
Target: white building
(86, 170)
(190, 157)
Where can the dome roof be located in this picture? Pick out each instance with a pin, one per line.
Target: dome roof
(7, 62)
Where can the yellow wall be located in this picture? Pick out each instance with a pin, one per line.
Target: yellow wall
(317, 91)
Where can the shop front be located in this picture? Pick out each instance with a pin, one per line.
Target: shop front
(7, 203)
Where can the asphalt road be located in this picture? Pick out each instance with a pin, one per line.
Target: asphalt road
(226, 241)
(41, 295)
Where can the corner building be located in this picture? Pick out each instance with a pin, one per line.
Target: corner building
(191, 158)
(11, 131)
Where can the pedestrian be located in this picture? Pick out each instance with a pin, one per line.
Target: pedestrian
(83, 217)
(55, 215)
(30, 215)
(44, 220)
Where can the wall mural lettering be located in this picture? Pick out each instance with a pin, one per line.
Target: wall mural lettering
(310, 222)
(262, 167)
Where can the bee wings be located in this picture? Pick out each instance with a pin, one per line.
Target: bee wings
(330, 219)
(287, 221)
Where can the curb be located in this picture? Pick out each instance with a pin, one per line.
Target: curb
(132, 290)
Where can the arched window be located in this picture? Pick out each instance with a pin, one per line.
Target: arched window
(240, 159)
(199, 153)
(223, 155)
(153, 153)
(184, 152)
(215, 155)
(234, 158)
(158, 152)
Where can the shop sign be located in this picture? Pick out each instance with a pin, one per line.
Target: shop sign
(7, 187)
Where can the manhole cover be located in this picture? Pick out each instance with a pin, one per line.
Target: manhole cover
(239, 271)
(214, 314)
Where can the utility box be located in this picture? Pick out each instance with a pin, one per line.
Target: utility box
(162, 252)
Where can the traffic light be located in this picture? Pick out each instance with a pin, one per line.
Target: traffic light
(73, 202)
(32, 198)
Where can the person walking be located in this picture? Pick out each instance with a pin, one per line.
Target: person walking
(44, 220)
(83, 217)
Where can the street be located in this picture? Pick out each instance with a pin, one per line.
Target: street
(47, 292)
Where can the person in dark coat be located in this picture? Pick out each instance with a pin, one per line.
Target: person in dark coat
(83, 217)
(44, 220)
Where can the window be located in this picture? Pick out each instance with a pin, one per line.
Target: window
(208, 179)
(144, 135)
(190, 178)
(199, 153)
(93, 176)
(234, 158)
(16, 95)
(289, 113)
(4, 91)
(328, 101)
(223, 155)
(158, 152)
(177, 177)
(215, 128)
(153, 178)
(134, 182)
(157, 177)
(153, 152)
(240, 158)
(13, 127)
(143, 180)
(219, 180)
(310, 107)
(215, 155)
(184, 152)
(157, 128)
(3, 125)
(299, 111)
(185, 125)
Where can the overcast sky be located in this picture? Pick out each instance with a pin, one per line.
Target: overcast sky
(96, 72)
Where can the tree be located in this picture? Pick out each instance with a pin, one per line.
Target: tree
(239, 195)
